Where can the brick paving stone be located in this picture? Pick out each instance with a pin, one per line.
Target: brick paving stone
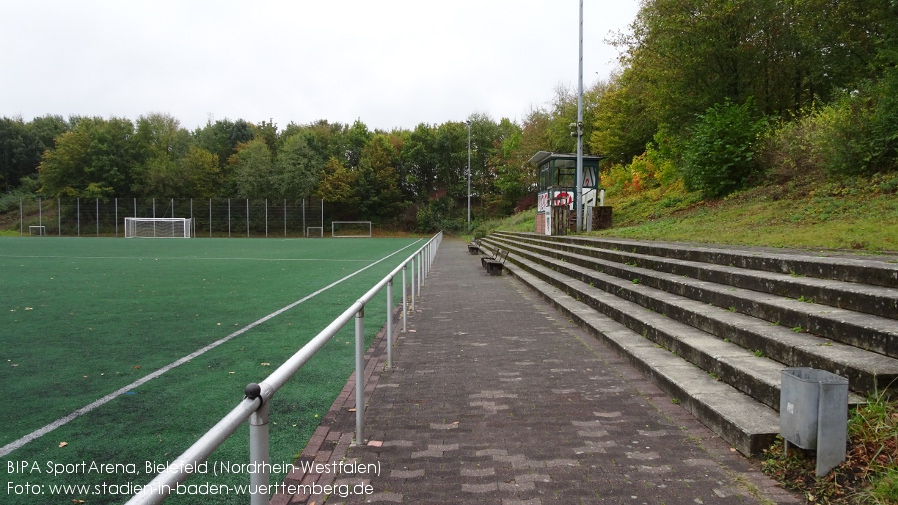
(495, 397)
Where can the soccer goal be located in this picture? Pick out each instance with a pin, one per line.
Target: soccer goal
(158, 227)
(340, 229)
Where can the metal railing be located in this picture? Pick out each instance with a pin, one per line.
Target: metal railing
(255, 406)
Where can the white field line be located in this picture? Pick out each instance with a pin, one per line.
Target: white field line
(8, 448)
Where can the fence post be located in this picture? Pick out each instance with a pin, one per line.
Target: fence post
(390, 323)
(359, 376)
(259, 454)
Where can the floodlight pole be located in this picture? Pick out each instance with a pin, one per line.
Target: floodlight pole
(578, 193)
(469, 174)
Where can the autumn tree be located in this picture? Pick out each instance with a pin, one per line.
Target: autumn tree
(339, 185)
(378, 181)
(95, 159)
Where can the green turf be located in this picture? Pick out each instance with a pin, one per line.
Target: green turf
(80, 318)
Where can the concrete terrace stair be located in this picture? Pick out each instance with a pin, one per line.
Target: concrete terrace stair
(715, 335)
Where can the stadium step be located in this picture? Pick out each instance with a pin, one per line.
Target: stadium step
(712, 343)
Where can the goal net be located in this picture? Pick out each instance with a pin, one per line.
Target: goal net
(350, 229)
(158, 227)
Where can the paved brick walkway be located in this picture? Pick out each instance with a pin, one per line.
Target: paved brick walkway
(495, 398)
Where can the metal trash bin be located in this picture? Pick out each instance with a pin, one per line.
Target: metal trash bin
(814, 414)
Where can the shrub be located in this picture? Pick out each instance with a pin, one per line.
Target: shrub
(719, 156)
(855, 135)
(436, 215)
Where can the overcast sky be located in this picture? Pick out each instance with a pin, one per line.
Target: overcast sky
(390, 63)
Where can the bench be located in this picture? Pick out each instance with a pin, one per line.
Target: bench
(494, 264)
(474, 247)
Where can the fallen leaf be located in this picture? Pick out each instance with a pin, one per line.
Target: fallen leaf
(137, 367)
(63, 444)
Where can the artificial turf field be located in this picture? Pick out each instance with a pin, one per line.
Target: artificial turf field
(83, 317)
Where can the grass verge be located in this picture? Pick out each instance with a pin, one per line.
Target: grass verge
(869, 474)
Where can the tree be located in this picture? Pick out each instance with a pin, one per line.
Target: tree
(298, 168)
(14, 162)
(253, 170)
(420, 161)
(199, 169)
(378, 182)
(161, 142)
(451, 156)
(222, 138)
(99, 154)
(513, 180)
(622, 125)
(355, 139)
(338, 184)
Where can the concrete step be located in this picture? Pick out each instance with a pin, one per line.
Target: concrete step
(865, 331)
(878, 270)
(876, 300)
(747, 424)
(726, 344)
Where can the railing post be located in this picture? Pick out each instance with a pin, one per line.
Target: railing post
(360, 376)
(421, 271)
(259, 454)
(404, 301)
(390, 323)
(412, 284)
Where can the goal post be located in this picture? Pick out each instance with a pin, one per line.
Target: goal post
(343, 229)
(158, 227)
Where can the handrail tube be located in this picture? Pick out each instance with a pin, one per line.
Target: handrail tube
(183, 467)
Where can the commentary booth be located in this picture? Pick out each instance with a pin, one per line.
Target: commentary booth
(557, 197)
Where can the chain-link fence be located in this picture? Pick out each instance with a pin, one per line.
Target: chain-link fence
(212, 217)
